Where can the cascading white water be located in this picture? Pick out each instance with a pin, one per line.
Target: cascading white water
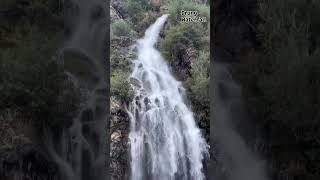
(165, 141)
(79, 147)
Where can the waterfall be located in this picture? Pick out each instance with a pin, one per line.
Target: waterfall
(166, 143)
(79, 148)
(236, 156)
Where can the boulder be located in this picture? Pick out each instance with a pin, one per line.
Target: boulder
(114, 14)
(116, 136)
(114, 103)
(135, 82)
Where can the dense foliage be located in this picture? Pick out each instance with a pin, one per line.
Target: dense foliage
(120, 86)
(281, 85)
(198, 84)
(188, 35)
(120, 28)
(33, 88)
(141, 13)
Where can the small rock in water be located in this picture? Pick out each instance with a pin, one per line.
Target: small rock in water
(142, 92)
(146, 100)
(181, 90)
(157, 101)
(138, 104)
(135, 82)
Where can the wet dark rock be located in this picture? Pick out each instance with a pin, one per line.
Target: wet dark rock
(184, 56)
(146, 100)
(157, 101)
(147, 103)
(135, 82)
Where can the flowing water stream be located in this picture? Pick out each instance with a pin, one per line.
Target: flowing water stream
(166, 143)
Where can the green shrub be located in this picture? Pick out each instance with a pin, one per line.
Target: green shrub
(31, 83)
(120, 28)
(198, 83)
(145, 21)
(141, 13)
(181, 35)
(120, 87)
(280, 82)
(197, 87)
(118, 61)
(285, 65)
(136, 8)
(36, 92)
(46, 14)
(190, 35)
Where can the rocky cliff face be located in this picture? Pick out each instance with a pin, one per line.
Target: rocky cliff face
(119, 130)
(119, 120)
(185, 56)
